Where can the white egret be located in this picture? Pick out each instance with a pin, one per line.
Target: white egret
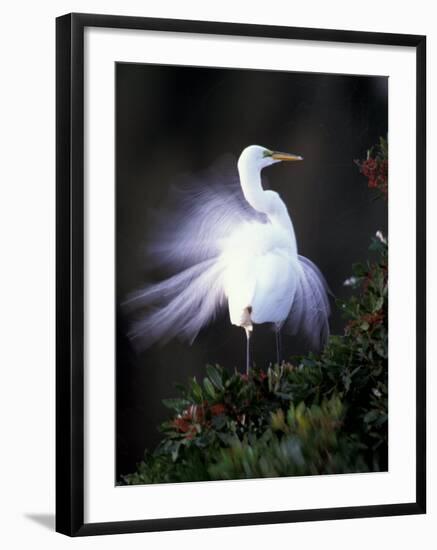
(231, 243)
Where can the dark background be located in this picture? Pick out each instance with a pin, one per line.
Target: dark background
(172, 121)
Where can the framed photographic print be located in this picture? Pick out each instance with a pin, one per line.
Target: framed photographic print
(240, 274)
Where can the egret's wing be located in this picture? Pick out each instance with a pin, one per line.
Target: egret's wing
(310, 309)
(178, 306)
(200, 213)
(186, 242)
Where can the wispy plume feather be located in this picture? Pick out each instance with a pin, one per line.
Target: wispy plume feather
(186, 241)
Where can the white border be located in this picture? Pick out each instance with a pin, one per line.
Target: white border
(103, 501)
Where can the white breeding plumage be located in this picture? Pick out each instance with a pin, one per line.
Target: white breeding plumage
(230, 242)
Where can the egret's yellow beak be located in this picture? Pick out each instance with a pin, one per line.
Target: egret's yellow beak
(276, 155)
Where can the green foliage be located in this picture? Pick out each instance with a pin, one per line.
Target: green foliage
(301, 441)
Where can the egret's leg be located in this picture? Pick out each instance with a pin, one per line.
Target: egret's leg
(248, 332)
(246, 323)
(278, 344)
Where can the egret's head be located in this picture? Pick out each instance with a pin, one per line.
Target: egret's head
(260, 157)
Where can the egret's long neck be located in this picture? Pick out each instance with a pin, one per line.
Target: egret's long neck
(268, 203)
(250, 180)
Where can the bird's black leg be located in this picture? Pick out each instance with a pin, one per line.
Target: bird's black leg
(278, 344)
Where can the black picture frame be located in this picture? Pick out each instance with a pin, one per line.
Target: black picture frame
(70, 273)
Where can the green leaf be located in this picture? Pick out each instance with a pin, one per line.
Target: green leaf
(209, 388)
(219, 421)
(215, 377)
(176, 404)
(197, 392)
(371, 416)
(379, 302)
(175, 451)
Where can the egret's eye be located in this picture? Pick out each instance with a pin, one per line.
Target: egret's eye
(267, 153)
